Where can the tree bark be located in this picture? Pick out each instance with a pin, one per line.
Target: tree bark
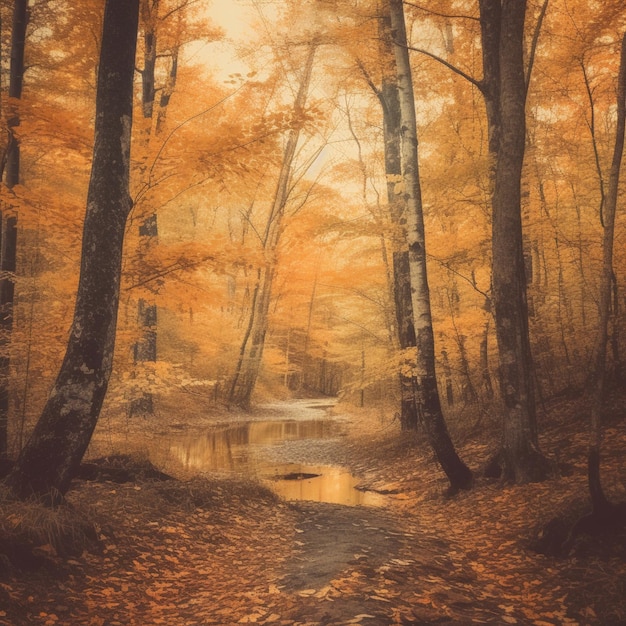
(504, 88)
(405, 329)
(599, 501)
(145, 349)
(458, 473)
(149, 12)
(8, 222)
(54, 451)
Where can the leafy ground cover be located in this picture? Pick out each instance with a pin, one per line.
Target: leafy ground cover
(209, 551)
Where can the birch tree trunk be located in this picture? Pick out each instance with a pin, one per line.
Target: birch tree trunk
(251, 351)
(54, 451)
(458, 473)
(405, 329)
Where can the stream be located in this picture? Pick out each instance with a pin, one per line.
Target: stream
(288, 446)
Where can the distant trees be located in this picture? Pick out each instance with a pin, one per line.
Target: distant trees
(601, 506)
(52, 454)
(253, 342)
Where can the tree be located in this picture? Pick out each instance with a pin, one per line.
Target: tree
(505, 87)
(165, 28)
(458, 474)
(251, 350)
(51, 456)
(600, 504)
(389, 97)
(10, 166)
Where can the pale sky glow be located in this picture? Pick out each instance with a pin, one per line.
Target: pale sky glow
(221, 58)
(232, 16)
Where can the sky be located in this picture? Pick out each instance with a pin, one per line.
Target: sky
(234, 17)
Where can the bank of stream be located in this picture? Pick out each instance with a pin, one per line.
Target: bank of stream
(217, 548)
(290, 447)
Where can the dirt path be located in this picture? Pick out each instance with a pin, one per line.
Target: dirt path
(335, 541)
(224, 552)
(331, 537)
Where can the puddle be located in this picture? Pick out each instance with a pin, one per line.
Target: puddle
(240, 448)
(262, 449)
(319, 483)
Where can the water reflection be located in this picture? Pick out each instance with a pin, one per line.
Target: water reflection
(236, 448)
(245, 449)
(330, 484)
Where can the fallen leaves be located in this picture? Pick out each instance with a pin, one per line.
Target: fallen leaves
(220, 558)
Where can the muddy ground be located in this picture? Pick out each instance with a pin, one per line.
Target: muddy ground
(216, 550)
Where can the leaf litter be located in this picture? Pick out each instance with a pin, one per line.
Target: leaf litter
(201, 552)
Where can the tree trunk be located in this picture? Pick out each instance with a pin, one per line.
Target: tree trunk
(599, 501)
(251, 351)
(504, 88)
(168, 90)
(390, 101)
(458, 474)
(149, 12)
(145, 349)
(8, 222)
(54, 451)
(485, 373)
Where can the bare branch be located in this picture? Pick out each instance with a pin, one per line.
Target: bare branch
(448, 15)
(477, 83)
(591, 123)
(533, 46)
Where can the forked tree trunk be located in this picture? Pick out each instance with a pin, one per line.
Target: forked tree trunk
(599, 501)
(251, 350)
(8, 222)
(458, 473)
(504, 89)
(54, 451)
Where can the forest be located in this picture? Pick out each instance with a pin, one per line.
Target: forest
(312, 312)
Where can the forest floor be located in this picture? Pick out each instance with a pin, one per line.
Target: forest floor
(223, 551)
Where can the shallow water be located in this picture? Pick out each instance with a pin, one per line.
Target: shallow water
(269, 450)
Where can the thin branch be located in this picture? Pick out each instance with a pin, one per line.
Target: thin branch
(177, 128)
(361, 326)
(184, 5)
(591, 123)
(461, 276)
(369, 81)
(477, 83)
(448, 15)
(533, 46)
